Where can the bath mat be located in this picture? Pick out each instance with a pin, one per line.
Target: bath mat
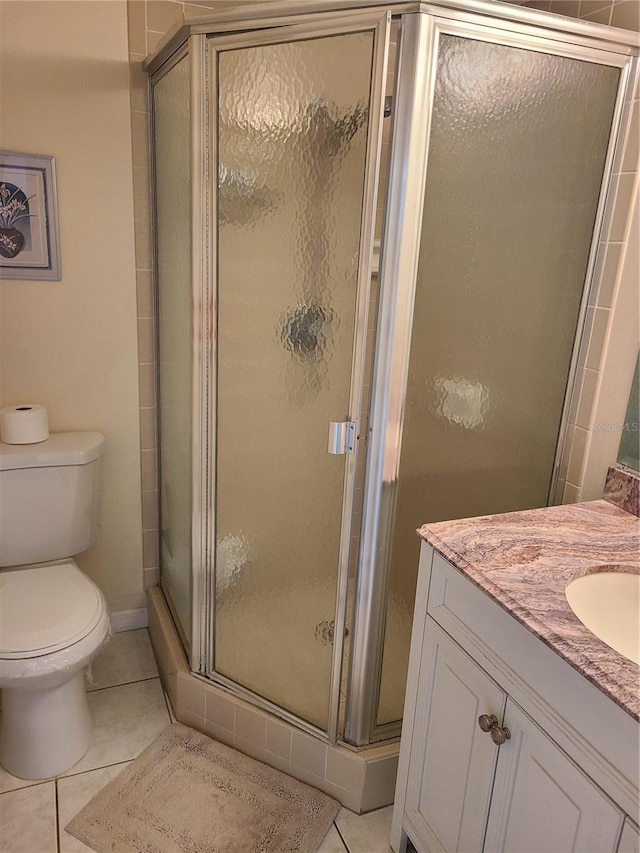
(186, 792)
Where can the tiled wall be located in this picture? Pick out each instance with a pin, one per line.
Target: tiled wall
(614, 13)
(149, 20)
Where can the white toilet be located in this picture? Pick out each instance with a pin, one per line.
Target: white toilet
(53, 619)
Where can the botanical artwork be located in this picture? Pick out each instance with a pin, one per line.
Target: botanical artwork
(28, 223)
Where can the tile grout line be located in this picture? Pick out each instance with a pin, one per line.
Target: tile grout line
(346, 847)
(57, 821)
(123, 684)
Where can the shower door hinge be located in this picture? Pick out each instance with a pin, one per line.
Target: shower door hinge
(342, 437)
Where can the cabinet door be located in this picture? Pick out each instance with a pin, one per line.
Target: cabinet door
(630, 838)
(452, 760)
(542, 801)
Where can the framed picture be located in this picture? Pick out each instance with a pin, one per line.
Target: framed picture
(28, 217)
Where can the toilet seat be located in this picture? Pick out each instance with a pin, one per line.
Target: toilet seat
(46, 608)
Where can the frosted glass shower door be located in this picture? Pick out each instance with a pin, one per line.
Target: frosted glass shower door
(292, 130)
(515, 148)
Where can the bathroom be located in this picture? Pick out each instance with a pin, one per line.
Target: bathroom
(72, 86)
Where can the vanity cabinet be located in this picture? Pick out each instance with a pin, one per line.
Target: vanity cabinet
(480, 766)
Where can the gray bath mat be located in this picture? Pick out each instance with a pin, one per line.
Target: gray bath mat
(187, 792)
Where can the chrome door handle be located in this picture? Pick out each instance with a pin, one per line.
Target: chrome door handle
(342, 437)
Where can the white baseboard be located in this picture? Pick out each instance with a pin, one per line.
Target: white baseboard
(129, 620)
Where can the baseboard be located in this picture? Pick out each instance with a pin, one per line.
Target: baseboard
(129, 620)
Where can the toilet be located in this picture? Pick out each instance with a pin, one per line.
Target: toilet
(53, 618)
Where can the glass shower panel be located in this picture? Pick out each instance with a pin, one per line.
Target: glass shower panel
(292, 134)
(515, 164)
(173, 222)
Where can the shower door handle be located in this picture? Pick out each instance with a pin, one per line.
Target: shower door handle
(342, 437)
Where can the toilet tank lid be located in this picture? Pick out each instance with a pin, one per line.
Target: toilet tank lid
(61, 448)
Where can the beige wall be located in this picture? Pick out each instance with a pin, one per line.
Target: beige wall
(72, 345)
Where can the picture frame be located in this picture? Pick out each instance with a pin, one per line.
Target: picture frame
(29, 243)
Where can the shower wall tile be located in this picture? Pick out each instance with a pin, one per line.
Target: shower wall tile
(617, 231)
(137, 24)
(275, 760)
(145, 341)
(142, 233)
(219, 710)
(308, 752)
(141, 192)
(251, 749)
(192, 692)
(597, 336)
(279, 739)
(609, 275)
(151, 571)
(144, 286)
(571, 494)
(344, 770)
(251, 726)
(626, 14)
(306, 776)
(379, 782)
(147, 384)
(147, 429)
(139, 83)
(587, 398)
(140, 138)
(149, 510)
(221, 734)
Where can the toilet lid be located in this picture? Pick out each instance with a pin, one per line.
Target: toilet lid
(46, 608)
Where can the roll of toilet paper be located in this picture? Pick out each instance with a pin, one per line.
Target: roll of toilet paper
(24, 424)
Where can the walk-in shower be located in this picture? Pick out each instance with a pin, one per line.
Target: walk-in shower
(317, 404)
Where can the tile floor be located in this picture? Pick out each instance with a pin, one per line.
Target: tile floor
(130, 709)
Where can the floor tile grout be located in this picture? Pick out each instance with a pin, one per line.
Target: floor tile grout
(123, 683)
(344, 843)
(57, 816)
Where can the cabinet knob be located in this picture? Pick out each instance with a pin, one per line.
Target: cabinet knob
(487, 722)
(499, 734)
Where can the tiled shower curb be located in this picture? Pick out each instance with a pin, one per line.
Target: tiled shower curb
(361, 781)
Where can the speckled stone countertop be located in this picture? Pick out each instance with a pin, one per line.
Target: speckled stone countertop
(524, 561)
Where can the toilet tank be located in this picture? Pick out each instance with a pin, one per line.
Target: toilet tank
(48, 497)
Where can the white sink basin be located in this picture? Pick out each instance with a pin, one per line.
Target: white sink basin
(608, 604)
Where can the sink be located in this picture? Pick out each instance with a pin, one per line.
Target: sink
(607, 602)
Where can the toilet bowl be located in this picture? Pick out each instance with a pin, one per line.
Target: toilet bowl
(53, 621)
(53, 618)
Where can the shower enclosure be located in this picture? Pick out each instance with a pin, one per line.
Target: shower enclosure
(315, 406)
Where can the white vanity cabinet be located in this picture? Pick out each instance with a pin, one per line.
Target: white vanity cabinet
(529, 780)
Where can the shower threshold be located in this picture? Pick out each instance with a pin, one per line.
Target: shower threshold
(361, 780)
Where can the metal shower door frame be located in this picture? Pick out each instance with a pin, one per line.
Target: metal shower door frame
(400, 247)
(204, 152)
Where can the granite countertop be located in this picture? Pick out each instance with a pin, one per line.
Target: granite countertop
(524, 561)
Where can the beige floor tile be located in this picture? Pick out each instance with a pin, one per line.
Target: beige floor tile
(368, 833)
(126, 720)
(332, 842)
(28, 820)
(74, 792)
(127, 657)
